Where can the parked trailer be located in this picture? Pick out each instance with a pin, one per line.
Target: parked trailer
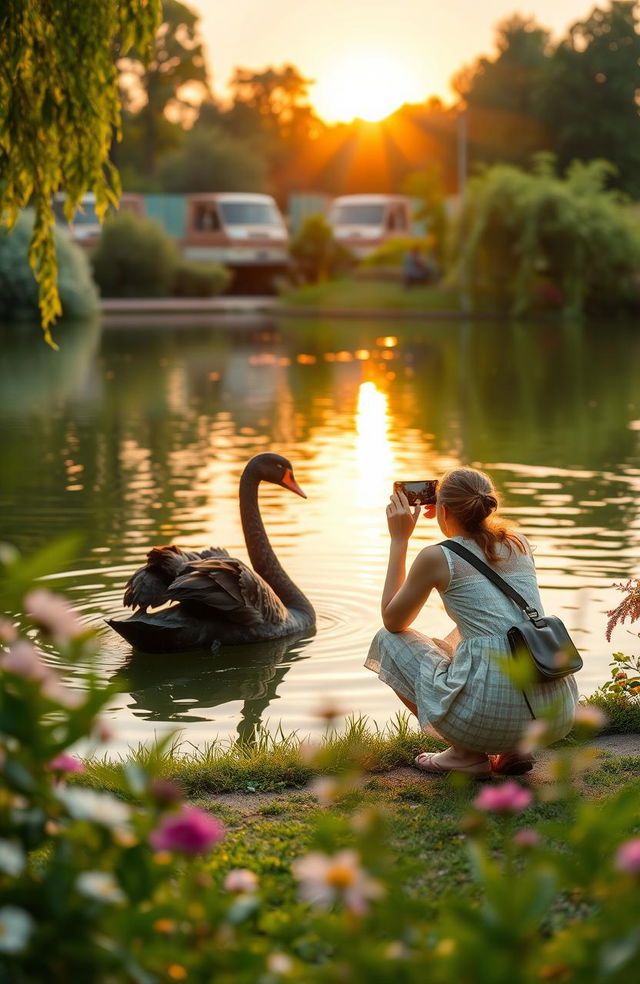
(245, 232)
(364, 222)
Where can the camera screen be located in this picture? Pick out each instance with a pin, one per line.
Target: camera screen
(418, 493)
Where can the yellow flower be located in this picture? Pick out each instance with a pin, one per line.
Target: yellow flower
(176, 972)
(164, 926)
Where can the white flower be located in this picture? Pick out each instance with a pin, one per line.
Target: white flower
(279, 963)
(54, 614)
(241, 880)
(84, 804)
(12, 858)
(590, 718)
(325, 879)
(16, 927)
(99, 885)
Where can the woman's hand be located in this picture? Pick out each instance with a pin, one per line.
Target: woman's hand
(400, 519)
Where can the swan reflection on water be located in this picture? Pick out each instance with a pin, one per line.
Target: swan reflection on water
(173, 689)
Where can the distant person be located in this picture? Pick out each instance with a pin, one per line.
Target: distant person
(416, 270)
(457, 687)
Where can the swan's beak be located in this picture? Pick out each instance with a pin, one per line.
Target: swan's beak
(289, 482)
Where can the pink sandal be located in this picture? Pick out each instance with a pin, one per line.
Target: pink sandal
(425, 761)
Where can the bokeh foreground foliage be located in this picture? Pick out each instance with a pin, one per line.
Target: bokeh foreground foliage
(146, 888)
(60, 112)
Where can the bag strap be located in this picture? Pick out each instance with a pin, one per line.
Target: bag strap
(499, 582)
(493, 576)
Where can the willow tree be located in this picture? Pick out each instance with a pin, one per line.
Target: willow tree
(521, 230)
(59, 109)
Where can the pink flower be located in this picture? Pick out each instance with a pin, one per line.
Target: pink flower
(533, 737)
(8, 631)
(55, 690)
(54, 614)
(628, 857)
(241, 880)
(23, 660)
(526, 838)
(507, 798)
(65, 763)
(191, 831)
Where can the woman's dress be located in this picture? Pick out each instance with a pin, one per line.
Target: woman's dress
(465, 696)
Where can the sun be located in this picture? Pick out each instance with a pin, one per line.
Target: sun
(365, 86)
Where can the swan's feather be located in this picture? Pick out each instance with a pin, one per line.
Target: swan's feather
(230, 589)
(147, 587)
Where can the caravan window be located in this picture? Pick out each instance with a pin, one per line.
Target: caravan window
(249, 213)
(358, 215)
(205, 217)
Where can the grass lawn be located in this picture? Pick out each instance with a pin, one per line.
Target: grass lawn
(424, 833)
(372, 295)
(265, 795)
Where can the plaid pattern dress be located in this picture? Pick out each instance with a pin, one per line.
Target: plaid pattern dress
(464, 696)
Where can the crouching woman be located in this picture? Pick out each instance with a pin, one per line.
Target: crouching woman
(457, 688)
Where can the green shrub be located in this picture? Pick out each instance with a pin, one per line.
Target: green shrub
(19, 288)
(316, 254)
(393, 251)
(520, 232)
(134, 258)
(199, 279)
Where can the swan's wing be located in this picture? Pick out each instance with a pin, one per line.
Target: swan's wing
(230, 589)
(147, 587)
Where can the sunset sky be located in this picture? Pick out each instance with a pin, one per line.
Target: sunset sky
(407, 49)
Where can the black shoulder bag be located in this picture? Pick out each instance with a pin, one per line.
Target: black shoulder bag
(543, 639)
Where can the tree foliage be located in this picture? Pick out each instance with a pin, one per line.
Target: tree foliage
(165, 83)
(577, 98)
(522, 230)
(502, 94)
(212, 160)
(60, 108)
(589, 92)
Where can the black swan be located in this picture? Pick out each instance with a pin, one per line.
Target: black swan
(220, 601)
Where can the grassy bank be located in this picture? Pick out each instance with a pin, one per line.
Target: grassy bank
(278, 762)
(372, 295)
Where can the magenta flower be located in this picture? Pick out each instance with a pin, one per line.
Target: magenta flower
(65, 763)
(191, 831)
(628, 857)
(507, 798)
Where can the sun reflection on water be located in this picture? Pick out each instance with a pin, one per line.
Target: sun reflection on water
(374, 455)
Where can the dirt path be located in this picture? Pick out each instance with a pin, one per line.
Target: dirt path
(402, 776)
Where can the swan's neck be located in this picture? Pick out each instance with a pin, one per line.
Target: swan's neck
(263, 559)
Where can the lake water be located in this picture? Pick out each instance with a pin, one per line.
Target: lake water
(138, 436)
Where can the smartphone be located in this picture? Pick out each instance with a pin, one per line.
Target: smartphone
(419, 493)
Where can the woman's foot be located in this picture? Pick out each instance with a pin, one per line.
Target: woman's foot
(511, 764)
(453, 760)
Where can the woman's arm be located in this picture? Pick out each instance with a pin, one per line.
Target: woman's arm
(403, 598)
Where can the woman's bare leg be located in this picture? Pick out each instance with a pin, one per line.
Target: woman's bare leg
(454, 757)
(407, 703)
